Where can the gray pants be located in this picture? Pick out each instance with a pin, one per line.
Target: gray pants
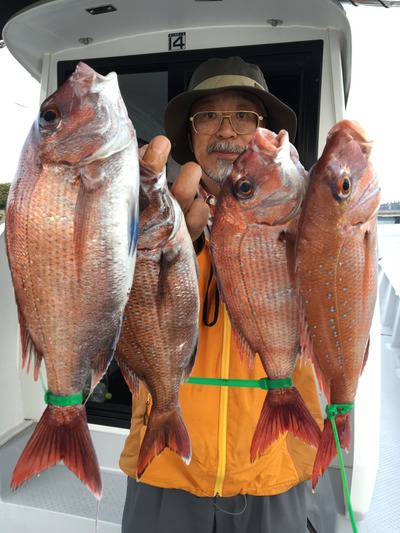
(155, 510)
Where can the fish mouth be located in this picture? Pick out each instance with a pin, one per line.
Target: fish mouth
(85, 80)
(83, 72)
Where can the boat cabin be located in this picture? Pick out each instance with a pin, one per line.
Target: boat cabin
(304, 50)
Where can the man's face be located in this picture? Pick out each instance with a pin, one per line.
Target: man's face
(215, 153)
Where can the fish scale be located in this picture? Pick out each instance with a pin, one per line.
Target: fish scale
(252, 242)
(159, 332)
(69, 223)
(336, 267)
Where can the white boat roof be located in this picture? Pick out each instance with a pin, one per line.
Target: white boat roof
(57, 25)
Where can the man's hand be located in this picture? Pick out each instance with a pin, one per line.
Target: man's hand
(185, 187)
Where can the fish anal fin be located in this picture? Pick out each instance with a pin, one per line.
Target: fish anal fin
(99, 367)
(244, 348)
(28, 348)
(366, 354)
(102, 359)
(129, 375)
(307, 350)
(190, 365)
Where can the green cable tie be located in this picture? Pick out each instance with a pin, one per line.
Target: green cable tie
(263, 383)
(338, 409)
(333, 410)
(63, 401)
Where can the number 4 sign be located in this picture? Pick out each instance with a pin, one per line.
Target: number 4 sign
(177, 41)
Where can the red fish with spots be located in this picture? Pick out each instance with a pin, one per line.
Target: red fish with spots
(252, 241)
(337, 271)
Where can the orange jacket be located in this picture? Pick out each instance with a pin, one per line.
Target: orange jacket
(221, 423)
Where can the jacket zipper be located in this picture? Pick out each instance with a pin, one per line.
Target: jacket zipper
(223, 407)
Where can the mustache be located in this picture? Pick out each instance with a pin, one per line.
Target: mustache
(225, 146)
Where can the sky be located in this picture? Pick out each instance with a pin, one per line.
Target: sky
(373, 100)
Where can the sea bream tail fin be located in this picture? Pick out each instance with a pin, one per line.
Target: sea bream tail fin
(28, 348)
(164, 430)
(61, 434)
(283, 410)
(327, 448)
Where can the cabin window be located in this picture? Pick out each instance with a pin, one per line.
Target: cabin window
(147, 82)
(145, 95)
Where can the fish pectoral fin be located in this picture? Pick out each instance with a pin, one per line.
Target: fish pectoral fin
(83, 208)
(133, 232)
(169, 256)
(129, 375)
(307, 350)
(290, 240)
(28, 348)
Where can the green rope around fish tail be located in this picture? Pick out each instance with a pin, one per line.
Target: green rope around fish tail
(263, 383)
(63, 401)
(60, 401)
(341, 409)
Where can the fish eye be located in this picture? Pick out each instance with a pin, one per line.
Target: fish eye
(243, 188)
(344, 187)
(49, 118)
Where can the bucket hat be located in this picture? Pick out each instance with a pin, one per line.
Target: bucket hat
(211, 77)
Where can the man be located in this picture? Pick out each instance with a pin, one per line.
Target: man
(221, 491)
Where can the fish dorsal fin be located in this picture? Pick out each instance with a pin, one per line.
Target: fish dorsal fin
(244, 348)
(307, 350)
(28, 348)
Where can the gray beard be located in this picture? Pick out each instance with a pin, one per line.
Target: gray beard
(220, 172)
(223, 167)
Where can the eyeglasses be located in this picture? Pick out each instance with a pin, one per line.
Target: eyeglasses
(242, 122)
